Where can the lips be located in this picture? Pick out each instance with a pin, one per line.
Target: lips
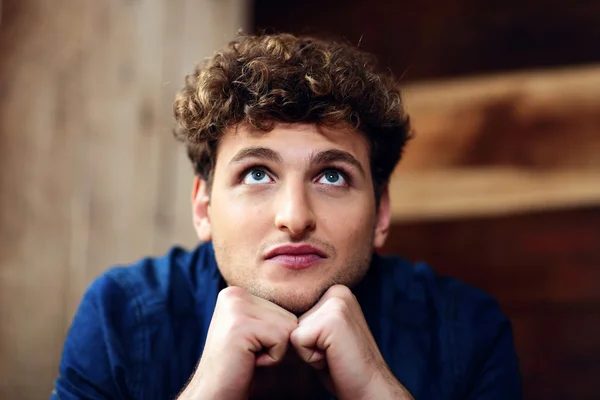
(296, 256)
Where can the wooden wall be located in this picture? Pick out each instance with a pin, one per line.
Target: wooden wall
(433, 38)
(544, 269)
(90, 175)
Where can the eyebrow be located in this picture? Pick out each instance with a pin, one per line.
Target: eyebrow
(257, 152)
(319, 158)
(329, 156)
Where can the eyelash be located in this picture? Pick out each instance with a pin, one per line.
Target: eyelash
(345, 175)
(246, 171)
(341, 171)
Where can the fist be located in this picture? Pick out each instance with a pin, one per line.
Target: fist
(334, 337)
(245, 332)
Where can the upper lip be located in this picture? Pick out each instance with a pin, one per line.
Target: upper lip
(294, 250)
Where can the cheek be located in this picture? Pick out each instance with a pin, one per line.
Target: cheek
(237, 220)
(348, 223)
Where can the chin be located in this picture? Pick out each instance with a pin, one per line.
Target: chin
(295, 300)
(297, 306)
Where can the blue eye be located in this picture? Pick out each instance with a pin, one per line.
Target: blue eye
(256, 176)
(332, 177)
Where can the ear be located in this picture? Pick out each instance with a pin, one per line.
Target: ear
(384, 216)
(201, 210)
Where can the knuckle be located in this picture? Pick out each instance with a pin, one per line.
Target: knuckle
(338, 304)
(341, 291)
(344, 291)
(292, 318)
(295, 335)
(282, 332)
(236, 324)
(291, 327)
(231, 293)
(232, 301)
(292, 322)
(284, 337)
(338, 309)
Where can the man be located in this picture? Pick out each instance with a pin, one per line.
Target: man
(293, 141)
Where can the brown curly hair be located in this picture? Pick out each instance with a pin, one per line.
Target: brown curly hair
(265, 79)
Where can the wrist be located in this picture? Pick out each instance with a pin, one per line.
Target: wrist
(202, 387)
(385, 386)
(198, 392)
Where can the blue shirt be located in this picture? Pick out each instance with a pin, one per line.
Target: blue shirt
(140, 330)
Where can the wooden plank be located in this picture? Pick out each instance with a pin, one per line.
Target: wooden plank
(217, 24)
(559, 353)
(546, 257)
(501, 144)
(459, 193)
(544, 119)
(88, 160)
(433, 38)
(35, 187)
(164, 233)
(543, 269)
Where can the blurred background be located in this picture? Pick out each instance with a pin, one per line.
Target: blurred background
(500, 187)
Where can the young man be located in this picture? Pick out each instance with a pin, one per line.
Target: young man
(293, 141)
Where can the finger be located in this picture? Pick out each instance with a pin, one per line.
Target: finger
(314, 308)
(318, 360)
(334, 291)
(272, 355)
(262, 305)
(239, 301)
(273, 340)
(305, 339)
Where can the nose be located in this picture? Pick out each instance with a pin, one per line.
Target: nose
(294, 213)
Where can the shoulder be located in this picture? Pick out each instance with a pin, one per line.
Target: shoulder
(148, 285)
(109, 341)
(472, 331)
(419, 283)
(129, 301)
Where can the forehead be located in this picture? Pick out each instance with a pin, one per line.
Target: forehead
(294, 141)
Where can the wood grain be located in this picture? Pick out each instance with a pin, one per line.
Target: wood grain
(430, 39)
(463, 192)
(90, 174)
(543, 269)
(499, 144)
(537, 119)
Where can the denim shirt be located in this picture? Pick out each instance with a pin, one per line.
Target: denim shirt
(140, 330)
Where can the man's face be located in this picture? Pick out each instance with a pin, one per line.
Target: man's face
(291, 212)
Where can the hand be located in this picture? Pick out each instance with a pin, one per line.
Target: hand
(245, 332)
(334, 337)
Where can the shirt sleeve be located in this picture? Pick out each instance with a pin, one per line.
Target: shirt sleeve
(93, 360)
(493, 370)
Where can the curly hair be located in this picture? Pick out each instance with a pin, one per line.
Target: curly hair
(265, 79)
